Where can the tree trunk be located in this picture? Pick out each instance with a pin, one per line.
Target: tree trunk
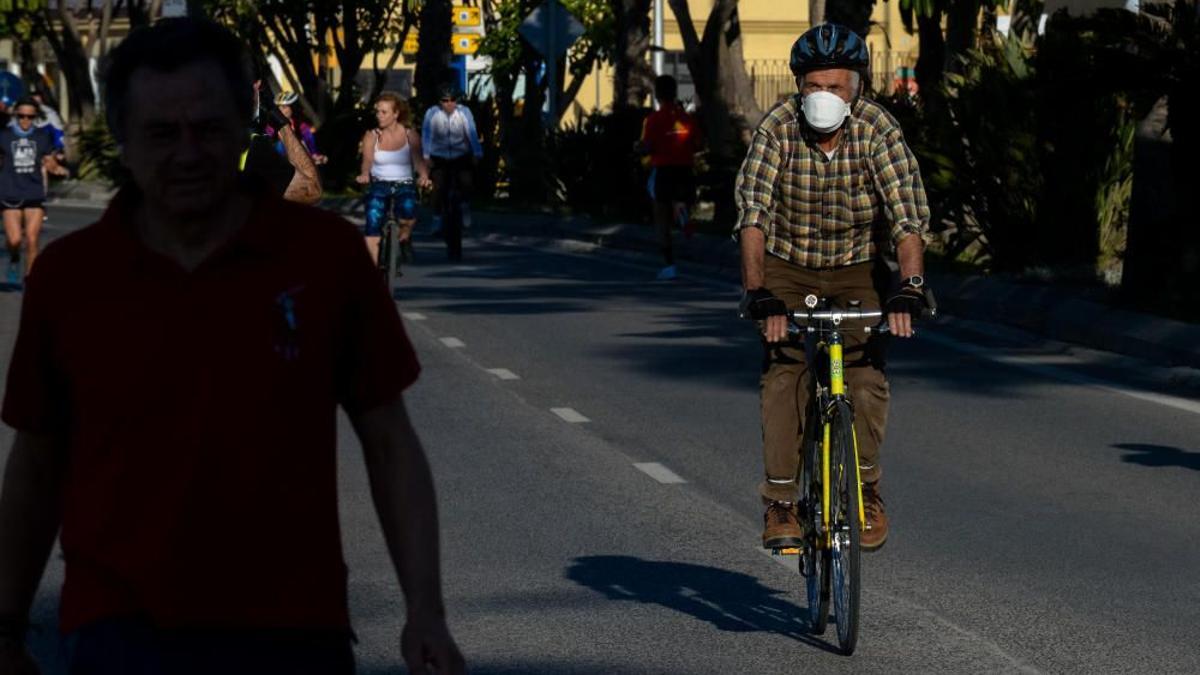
(816, 12)
(433, 52)
(76, 69)
(856, 14)
(931, 56)
(962, 23)
(530, 168)
(633, 78)
(1153, 214)
(987, 27)
(728, 110)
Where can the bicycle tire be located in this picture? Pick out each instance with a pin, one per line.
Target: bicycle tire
(814, 558)
(845, 552)
(452, 230)
(385, 248)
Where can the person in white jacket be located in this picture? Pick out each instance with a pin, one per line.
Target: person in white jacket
(451, 146)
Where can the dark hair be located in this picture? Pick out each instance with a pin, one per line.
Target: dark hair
(168, 46)
(28, 100)
(665, 88)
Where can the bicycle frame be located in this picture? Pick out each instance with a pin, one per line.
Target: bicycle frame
(826, 327)
(826, 398)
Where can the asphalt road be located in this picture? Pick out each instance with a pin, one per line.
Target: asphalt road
(1043, 499)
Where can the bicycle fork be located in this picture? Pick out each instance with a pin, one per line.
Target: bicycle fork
(837, 391)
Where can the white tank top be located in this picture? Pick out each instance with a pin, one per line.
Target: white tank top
(392, 165)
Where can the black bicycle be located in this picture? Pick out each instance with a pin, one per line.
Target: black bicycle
(452, 217)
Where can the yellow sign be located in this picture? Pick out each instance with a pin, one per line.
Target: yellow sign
(410, 43)
(467, 16)
(466, 43)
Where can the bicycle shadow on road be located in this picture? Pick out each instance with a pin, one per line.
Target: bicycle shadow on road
(730, 601)
(1147, 454)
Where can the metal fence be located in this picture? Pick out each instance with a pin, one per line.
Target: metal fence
(773, 81)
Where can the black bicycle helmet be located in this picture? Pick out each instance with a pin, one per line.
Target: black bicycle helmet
(829, 45)
(449, 91)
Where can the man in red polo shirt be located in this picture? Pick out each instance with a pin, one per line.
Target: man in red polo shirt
(179, 419)
(671, 138)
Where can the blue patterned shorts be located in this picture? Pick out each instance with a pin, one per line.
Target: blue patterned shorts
(398, 197)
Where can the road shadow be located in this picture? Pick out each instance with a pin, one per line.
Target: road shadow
(730, 601)
(523, 668)
(1147, 454)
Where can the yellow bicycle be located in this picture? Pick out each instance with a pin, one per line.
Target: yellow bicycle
(831, 503)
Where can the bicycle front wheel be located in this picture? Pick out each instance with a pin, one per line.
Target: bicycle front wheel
(846, 587)
(814, 556)
(452, 230)
(387, 257)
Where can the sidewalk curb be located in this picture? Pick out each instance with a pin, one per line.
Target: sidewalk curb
(1044, 310)
(1040, 309)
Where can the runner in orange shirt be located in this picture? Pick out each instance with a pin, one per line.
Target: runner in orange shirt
(671, 138)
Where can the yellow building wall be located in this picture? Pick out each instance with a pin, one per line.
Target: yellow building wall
(769, 28)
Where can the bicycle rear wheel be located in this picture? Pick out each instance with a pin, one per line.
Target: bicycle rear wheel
(846, 587)
(814, 557)
(452, 229)
(387, 257)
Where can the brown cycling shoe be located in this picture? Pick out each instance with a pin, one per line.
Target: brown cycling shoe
(781, 526)
(876, 531)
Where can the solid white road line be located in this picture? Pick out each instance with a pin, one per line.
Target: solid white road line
(659, 473)
(504, 373)
(413, 316)
(1039, 364)
(570, 415)
(453, 342)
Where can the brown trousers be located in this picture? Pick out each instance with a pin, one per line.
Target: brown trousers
(784, 384)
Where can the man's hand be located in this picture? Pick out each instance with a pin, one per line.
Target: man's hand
(362, 179)
(428, 648)
(902, 305)
(762, 305)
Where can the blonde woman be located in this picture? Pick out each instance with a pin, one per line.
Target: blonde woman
(392, 167)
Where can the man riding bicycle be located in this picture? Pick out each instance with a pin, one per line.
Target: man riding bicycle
(452, 148)
(827, 189)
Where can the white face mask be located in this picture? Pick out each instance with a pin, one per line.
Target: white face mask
(825, 111)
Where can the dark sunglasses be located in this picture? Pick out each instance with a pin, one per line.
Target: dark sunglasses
(26, 117)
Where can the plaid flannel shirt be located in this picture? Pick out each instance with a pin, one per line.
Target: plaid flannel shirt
(823, 213)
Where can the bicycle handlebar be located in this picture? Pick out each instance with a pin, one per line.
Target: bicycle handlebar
(834, 315)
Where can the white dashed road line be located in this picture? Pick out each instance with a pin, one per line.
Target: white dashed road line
(570, 415)
(413, 316)
(659, 473)
(504, 373)
(453, 342)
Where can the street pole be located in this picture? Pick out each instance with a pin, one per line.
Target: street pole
(659, 55)
(552, 60)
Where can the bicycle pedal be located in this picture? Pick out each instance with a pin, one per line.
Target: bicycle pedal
(785, 551)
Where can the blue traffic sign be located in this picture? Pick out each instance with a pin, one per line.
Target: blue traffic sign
(11, 88)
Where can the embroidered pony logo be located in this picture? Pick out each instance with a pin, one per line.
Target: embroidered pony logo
(288, 342)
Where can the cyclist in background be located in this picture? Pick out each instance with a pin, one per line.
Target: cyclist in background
(671, 139)
(451, 144)
(285, 101)
(26, 150)
(393, 165)
(828, 188)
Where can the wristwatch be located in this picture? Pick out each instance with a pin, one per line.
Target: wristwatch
(915, 281)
